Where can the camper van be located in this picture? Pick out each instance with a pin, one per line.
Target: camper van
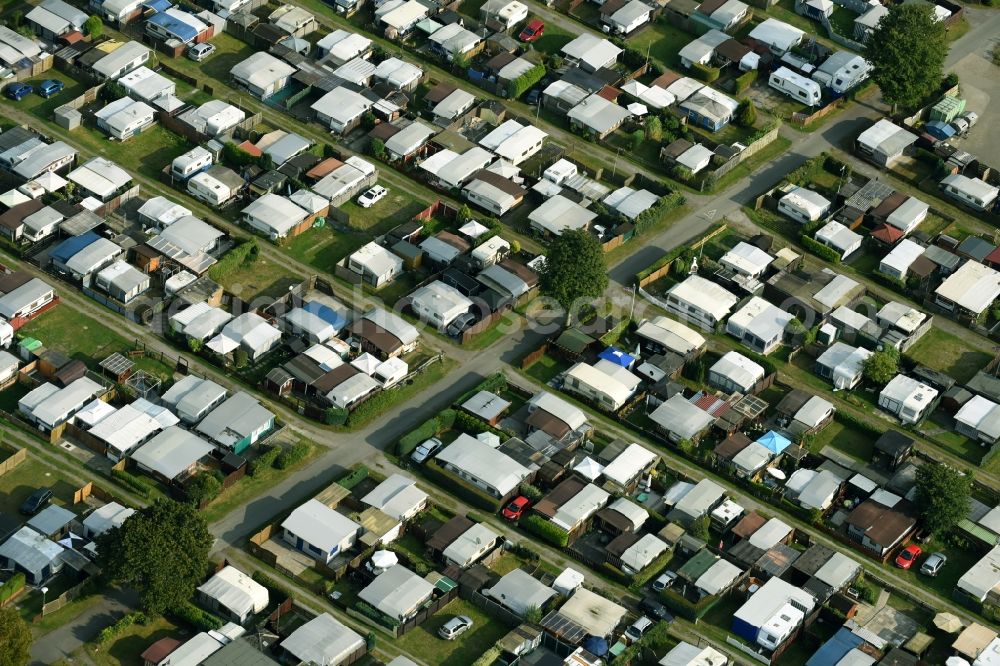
(795, 86)
(842, 71)
(192, 162)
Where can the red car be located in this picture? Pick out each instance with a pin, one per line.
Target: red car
(532, 31)
(908, 556)
(516, 508)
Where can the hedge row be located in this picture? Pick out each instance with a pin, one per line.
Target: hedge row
(495, 383)
(820, 250)
(118, 628)
(640, 579)
(243, 254)
(687, 609)
(704, 72)
(474, 425)
(546, 530)
(745, 80)
(669, 257)
(354, 477)
(854, 421)
(292, 455)
(196, 618)
(11, 587)
(461, 488)
(411, 440)
(264, 461)
(525, 82)
(134, 483)
(277, 590)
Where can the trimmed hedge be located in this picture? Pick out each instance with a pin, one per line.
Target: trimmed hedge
(669, 257)
(411, 440)
(276, 589)
(546, 530)
(292, 455)
(134, 483)
(820, 250)
(11, 587)
(264, 461)
(704, 72)
(244, 254)
(118, 628)
(525, 82)
(196, 618)
(686, 609)
(354, 477)
(852, 420)
(474, 425)
(745, 80)
(461, 488)
(639, 580)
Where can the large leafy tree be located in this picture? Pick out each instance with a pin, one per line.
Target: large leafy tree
(882, 366)
(574, 269)
(942, 496)
(907, 52)
(161, 551)
(15, 638)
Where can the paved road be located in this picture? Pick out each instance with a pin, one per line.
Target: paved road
(65, 640)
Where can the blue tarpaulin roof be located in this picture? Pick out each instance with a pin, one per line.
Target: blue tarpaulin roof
(175, 27)
(69, 247)
(617, 356)
(774, 442)
(326, 313)
(939, 129)
(157, 5)
(835, 649)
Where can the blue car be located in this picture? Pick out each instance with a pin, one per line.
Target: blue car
(18, 91)
(50, 87)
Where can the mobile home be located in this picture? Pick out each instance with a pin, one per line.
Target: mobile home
(795, 86)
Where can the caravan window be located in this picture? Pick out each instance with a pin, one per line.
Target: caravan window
(801, 94)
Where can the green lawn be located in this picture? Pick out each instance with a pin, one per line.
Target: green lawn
(462, 651)
(943, 351)
(384, 402)
(662, 42)
(960, 560)
(262, 278)
(413, 549)
(76, 334)
(552, 40)
(230, 51)
(506, 324)
(545, 369)
(146, 153)
(125, 650)
(323, 247)
(17, 484)
(396, 208)
(846, 438)
(842, 21)
(43, 108)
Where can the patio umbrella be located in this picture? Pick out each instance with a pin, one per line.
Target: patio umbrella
(490, 439)
(948, 622)
(383, 559)
(637, 109)
(955, 661)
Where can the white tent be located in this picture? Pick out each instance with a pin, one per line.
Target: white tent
(473, 229)
(637, 109)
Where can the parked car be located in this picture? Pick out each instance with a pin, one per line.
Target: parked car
(425, 450)
(638, 628)
(455, 627)
(199, 52)
(372, 196)
(516, 508)
(665, 580)
(36, 501)
(533, 96)
(908, 556)
(461, 322)
(18, 91)
(532, 31)
(932, 565)
(653, 608)
(50, 87)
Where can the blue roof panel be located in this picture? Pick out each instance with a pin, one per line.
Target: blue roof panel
(179, 29)
(835, 649)
(157, 5)
(617, 356)
(774, 442)
(326, 313)
(69, 247)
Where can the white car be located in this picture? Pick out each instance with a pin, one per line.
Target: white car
(372, 196)
(199, 52)
(425, 450)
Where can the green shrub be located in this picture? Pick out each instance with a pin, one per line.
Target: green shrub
(474, 425)
(354, 477)
(820, 250)
(370, 611)
(533, 493)
(292, 455)
(335, 416)
(244, 254)
(546, 530)
(134, 483)
(11, 587)
(264, 461)
(525, 82)
(745, 80)
(640, 579)
(118, 628)
(276, 589)
(203, 488)
(704, 72)
(196, 618)
(411, 440)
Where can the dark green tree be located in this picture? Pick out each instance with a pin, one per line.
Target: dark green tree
(15, 638)
(882, 366)
(654, 128)
(240, 358)
(161, 551)
(377, 148)
(203, 487)
(942, 497)
(575, 269)
(699, 528)
(907, 52)
(464, 214)
(746, 114)
(93, 27)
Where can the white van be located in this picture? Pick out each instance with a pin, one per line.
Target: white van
(795, 86)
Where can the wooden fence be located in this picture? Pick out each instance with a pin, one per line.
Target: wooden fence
(18, 456)
(804, 119)
(90, 490)
(88, 97)
(69, 595)
(665, 269)
(748, 152)
(533, 357)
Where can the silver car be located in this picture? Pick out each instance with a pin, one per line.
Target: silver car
(932, 565)
(425, 450)
(455, 627)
